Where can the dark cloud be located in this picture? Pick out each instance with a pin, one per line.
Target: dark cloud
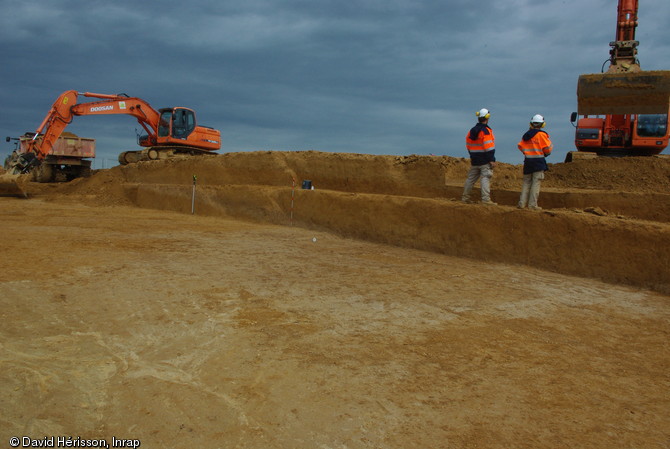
(386, 77)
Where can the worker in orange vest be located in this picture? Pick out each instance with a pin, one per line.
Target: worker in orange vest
(481, 145)
(535, 146)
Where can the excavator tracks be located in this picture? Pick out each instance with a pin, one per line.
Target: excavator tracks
(159, 153)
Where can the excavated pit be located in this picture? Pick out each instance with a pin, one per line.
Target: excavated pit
(390, 315)
(602, 218)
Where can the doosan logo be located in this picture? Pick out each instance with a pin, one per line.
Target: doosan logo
(102, 108)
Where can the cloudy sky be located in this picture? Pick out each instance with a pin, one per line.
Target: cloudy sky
(393, 77)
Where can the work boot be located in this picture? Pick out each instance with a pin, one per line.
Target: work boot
(489, 203)
(534, 208)
(466, 201)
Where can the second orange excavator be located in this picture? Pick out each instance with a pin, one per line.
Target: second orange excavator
(169, 131)
(625, 110)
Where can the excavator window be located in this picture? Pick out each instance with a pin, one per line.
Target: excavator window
(652, 125)
(164, 123)
(587, 133)
(183, 123)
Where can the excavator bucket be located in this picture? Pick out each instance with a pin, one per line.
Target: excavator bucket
(10, 187)
(645, 92)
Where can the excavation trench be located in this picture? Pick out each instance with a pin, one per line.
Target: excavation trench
(603, 218)
(583, 244)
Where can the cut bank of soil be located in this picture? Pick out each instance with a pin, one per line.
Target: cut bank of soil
(603, 218)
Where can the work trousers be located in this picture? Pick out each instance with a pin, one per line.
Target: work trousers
(530, 190)
(485, 172)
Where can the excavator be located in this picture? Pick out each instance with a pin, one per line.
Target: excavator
(169, 132)
(624, 111)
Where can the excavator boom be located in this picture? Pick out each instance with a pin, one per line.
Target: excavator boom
(65, 108)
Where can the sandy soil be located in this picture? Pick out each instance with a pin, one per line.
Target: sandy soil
(369, 323)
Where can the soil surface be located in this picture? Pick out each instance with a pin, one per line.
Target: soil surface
(375, 311)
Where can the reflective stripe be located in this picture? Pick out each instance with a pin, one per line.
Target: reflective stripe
(531, 152)
(483, 144)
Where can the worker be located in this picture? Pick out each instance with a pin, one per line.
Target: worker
(535, 146)
(480, 143)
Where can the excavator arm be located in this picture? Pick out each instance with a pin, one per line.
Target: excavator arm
(65, 108)
(623, 54)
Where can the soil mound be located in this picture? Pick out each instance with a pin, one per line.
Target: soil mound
(423, 176)
(626, 174)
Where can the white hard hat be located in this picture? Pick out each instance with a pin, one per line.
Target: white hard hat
(537, 118)
(483, 113)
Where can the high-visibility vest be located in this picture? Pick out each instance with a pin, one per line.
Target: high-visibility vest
(482, 148)
(535, 146)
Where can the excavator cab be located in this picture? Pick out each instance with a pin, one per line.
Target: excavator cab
(172, 131)
(177, 123)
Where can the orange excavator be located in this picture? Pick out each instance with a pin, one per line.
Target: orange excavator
(624, 111)
(169, 132)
